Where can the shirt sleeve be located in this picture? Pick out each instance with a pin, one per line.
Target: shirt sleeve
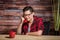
(40, 24)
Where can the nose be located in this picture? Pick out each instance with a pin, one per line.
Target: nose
(26, 16)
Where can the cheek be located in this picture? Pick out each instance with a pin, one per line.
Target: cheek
(28, 18)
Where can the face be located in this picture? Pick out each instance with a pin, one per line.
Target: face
(28, 15)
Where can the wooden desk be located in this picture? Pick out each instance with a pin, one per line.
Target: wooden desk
(26, 37)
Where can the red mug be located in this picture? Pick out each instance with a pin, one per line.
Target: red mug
(12, 34)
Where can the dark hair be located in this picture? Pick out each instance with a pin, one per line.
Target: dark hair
(28, 8)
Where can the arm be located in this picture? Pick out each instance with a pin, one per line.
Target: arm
(20, 26)
(19, 29)
(40, 29)
(37, 33)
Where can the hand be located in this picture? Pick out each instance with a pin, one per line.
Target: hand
(22, 19)
(27, 33)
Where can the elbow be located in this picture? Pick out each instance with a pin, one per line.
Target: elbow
(40, 32)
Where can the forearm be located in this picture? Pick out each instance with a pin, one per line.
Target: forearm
(32, 33)
(37, 33)
(19, 28)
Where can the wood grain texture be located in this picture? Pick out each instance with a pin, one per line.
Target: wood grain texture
(27, 37)
(11, 10)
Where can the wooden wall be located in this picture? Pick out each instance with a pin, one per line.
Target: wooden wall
(11, 10)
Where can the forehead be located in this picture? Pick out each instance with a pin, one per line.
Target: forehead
(27, 12)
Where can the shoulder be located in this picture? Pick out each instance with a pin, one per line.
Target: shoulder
(38, 18)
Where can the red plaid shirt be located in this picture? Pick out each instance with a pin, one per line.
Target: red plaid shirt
(36, 25)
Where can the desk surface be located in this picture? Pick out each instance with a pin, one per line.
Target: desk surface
(26, 37)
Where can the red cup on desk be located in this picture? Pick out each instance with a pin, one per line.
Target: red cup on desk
(12, 34)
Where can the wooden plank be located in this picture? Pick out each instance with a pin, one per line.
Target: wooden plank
(34, 6)
(11, 13)
(9, 20)
(5, 29)
(2, 28)
(25, 2)
(22, 6)
(9, 23)
(9, 17)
